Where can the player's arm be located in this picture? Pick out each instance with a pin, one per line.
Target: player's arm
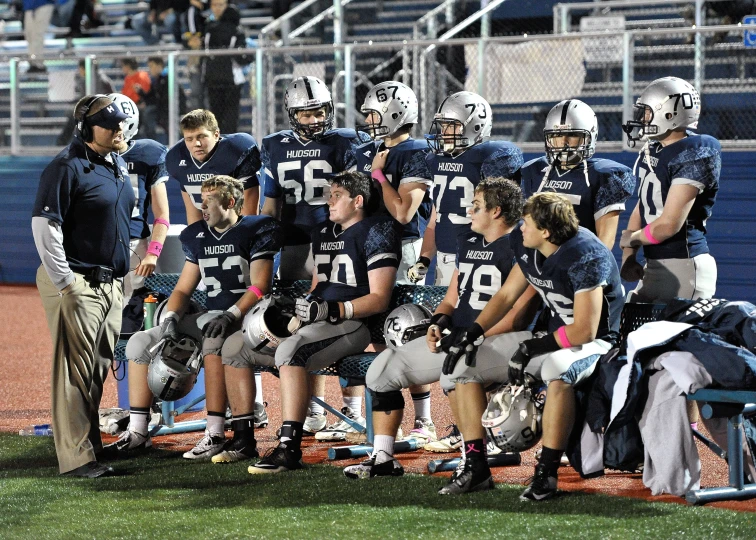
(587, 315)
(679, 201)
(261, 276)
(192, 212)
(185, 287)
(521, 314)
(246, 171)
(503, 301)
(251, 201)
(272, 207)
(631, 269)
(441, 319)
(381, 282)
(606, 228)
(159, 201)
(418, 270)
(403, 203)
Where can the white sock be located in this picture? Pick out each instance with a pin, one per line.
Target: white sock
(354, 403)
(138, 422)
(316, 408)
(385, 443)
(258, 386)
(215, 425)
(422, 403)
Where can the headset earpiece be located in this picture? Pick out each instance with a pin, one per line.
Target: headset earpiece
(84, 128)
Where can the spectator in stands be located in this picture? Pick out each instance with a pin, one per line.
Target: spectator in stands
(222, 75)
(195, 29)
(81, 8)
(279, 8)
(103, 85)
(37, 14)
(134, 78)
(161, 16)
(156, 106)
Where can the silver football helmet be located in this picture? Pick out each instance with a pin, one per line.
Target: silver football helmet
(161, 310)
(463, 120)
(395, 105)
(306, 93)
(405, 323)
(512, 419)
(570, 133)
(174, 367)
(269, 323)
(130, 126)
(666, 104)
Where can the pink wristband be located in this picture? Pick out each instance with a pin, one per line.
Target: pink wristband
(562, 333)
(161, 221)
(255, 290)
(155, 248)
(379, 176)
(649, 236)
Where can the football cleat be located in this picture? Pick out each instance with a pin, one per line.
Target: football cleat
(338, 430)
(451, 442)
(459, 470)
(492, 449)
(542, 486)
(424, 431)
(261, 416)
(276, 460)
(237, 450)
(129, 442)
(469, 480)
(313, 423)
(207, 447)
(369, 469)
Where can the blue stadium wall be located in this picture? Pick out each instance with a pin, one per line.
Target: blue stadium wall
(732, 230)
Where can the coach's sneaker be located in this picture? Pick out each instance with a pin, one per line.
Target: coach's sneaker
(472, 478)
(207, 447)
(260, 416)
(542, 485)
(313, 423)
(276, 460)
(237, 450)
(369, 468)
(130, 442)
(424, 431)
(338, 430)
(451, 442)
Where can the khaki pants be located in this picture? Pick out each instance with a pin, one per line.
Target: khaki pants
(84, 325)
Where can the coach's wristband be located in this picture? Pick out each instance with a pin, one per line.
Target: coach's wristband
(256, 290)
(378, 176)
(649, 236)
(155, 248)
(161, 221)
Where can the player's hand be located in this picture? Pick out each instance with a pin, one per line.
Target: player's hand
(466, 344)
(219, 326)
(312, 309)
(418, 270)
(147, 266)
(379, 160)
(625, 240)
(169, 329)
(631, 269)
(517, 365)
(439, 323)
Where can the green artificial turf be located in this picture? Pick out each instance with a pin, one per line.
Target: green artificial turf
(163, 496)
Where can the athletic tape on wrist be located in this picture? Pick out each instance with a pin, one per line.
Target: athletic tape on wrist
(348, 310)
(235, 311)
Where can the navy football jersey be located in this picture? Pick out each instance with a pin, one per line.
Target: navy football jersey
(235, 155)
(224, 258)
(483, 268)
(454, 182)
(145, 160)
(405, 163)
(595, 187)
(298, 172)
(343, 258)
(582, 263)
(695, 160)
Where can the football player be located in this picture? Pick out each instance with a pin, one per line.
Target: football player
(356, 258)
(397, 162)
(461, 157)
(577, 278)
(484, 260)
(597, 188)
(297, 164)
(145, 160)
(205, 153)
(233, 256)
(679, 179)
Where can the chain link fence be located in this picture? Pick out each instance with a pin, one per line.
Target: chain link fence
(522, 78)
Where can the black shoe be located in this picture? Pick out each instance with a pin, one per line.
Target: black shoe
(276, 460)
(128, 444)
(471, 479)
(74, 34)
(542, 486)
(237, 450)
(369, 469)
(92, 469)
(36, 69)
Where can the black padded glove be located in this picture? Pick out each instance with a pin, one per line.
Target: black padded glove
(465, 344)
(219, 326)
(527, 350)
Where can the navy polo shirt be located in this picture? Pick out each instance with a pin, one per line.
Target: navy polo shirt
(92, 200)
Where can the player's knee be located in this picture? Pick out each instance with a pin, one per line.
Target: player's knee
(387, 401)
(375, 378)
(232, 351)
(138, 347)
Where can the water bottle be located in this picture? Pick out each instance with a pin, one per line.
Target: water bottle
(43, 430)
(150, 304)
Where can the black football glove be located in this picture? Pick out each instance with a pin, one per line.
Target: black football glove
(527, 350)
(312, 309)
(465, 344)
(219, 326)
(169, 329)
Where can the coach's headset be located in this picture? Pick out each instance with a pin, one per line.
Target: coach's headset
(109, 117)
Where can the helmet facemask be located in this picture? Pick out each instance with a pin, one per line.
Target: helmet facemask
(447, 136)
(642, 125)
(376, 130)
(315, 130)
(563, 151)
